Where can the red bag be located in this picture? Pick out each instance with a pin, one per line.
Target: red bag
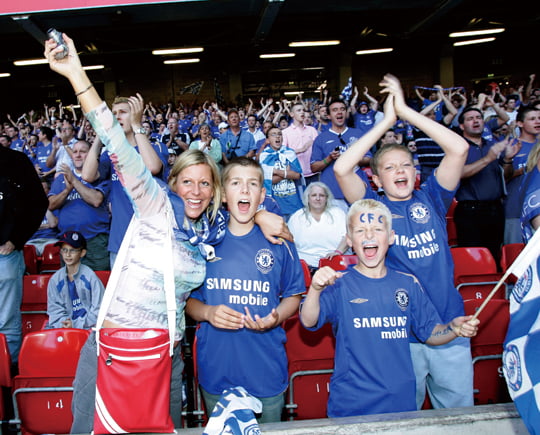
(134, 374)
(134, 365)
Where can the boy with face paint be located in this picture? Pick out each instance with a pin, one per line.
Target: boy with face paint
(421, 241)
(374, 309)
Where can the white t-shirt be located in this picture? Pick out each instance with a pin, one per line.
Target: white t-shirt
(314, 239)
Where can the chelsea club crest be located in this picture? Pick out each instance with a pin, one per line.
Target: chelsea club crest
(419, 213)
(512, 367)
(264, 259)
(402, 299)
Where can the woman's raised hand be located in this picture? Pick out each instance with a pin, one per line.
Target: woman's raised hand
(70, 65)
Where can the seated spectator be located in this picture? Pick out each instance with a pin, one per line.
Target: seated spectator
(319, 227)
(373, 361)
(207, 144)
(282, 172)
(74, 292)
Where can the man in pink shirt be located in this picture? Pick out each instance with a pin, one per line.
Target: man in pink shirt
(300, 138)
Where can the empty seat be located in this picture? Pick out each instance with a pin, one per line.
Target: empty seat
(42, 392)
(5, 372)
(311, 364)
(35, 292)
(50, 260)
(31, 259)
(509, 253)
(472, 261)
(34, 303)
(486, 348)
(480, 286)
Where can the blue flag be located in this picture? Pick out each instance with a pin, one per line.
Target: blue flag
(521, 356)
(346, 93)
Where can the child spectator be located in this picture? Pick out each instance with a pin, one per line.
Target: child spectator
(74, 292)
(248, 292)
(373, 310)
(421, 246)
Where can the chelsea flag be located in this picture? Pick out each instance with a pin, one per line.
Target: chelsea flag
(521, 356)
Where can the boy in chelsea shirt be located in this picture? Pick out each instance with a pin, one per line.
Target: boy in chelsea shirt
(373, 310)
(247, 294)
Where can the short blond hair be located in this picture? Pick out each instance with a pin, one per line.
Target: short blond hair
(369, 205)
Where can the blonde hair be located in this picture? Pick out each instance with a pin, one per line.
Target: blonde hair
(307, 192)
(371, 205)
(534, 155)
(196, 157)
(120, 100)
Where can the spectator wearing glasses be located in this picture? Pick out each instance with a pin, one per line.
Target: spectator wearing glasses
(74, 292)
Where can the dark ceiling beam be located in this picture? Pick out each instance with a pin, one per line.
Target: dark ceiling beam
(267, 19)
(430, 20)
(28, 25)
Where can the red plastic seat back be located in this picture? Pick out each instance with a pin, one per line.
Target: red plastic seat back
(35, 292)
(304, 345)
(103, 275)
(494, 321)
(42, 411)
(472, 261)
(52, 352)
(30, 259)
(307, 273)
(480, 286)
(486, 350)
(311, 362)
(5, 363)
(338, 262)
(509, 253)
(50, 260)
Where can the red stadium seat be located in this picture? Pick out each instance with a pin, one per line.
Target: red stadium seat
(487, 348)
(34, 303)
(42, 392)
(311, 363)
(50, 260)
(509, 253)
(338, 262)
(5, 372)
(103, 275)
(472, 261)
(307, 273)
(35, 292)
(31, 259)
(480, 286)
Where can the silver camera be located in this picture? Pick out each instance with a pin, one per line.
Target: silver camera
(57, 36)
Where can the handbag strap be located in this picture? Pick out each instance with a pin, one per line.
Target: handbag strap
(168, 279)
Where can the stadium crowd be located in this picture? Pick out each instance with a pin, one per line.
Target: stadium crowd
(476, 148)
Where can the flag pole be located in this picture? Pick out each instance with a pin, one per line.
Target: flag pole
(521, 263)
